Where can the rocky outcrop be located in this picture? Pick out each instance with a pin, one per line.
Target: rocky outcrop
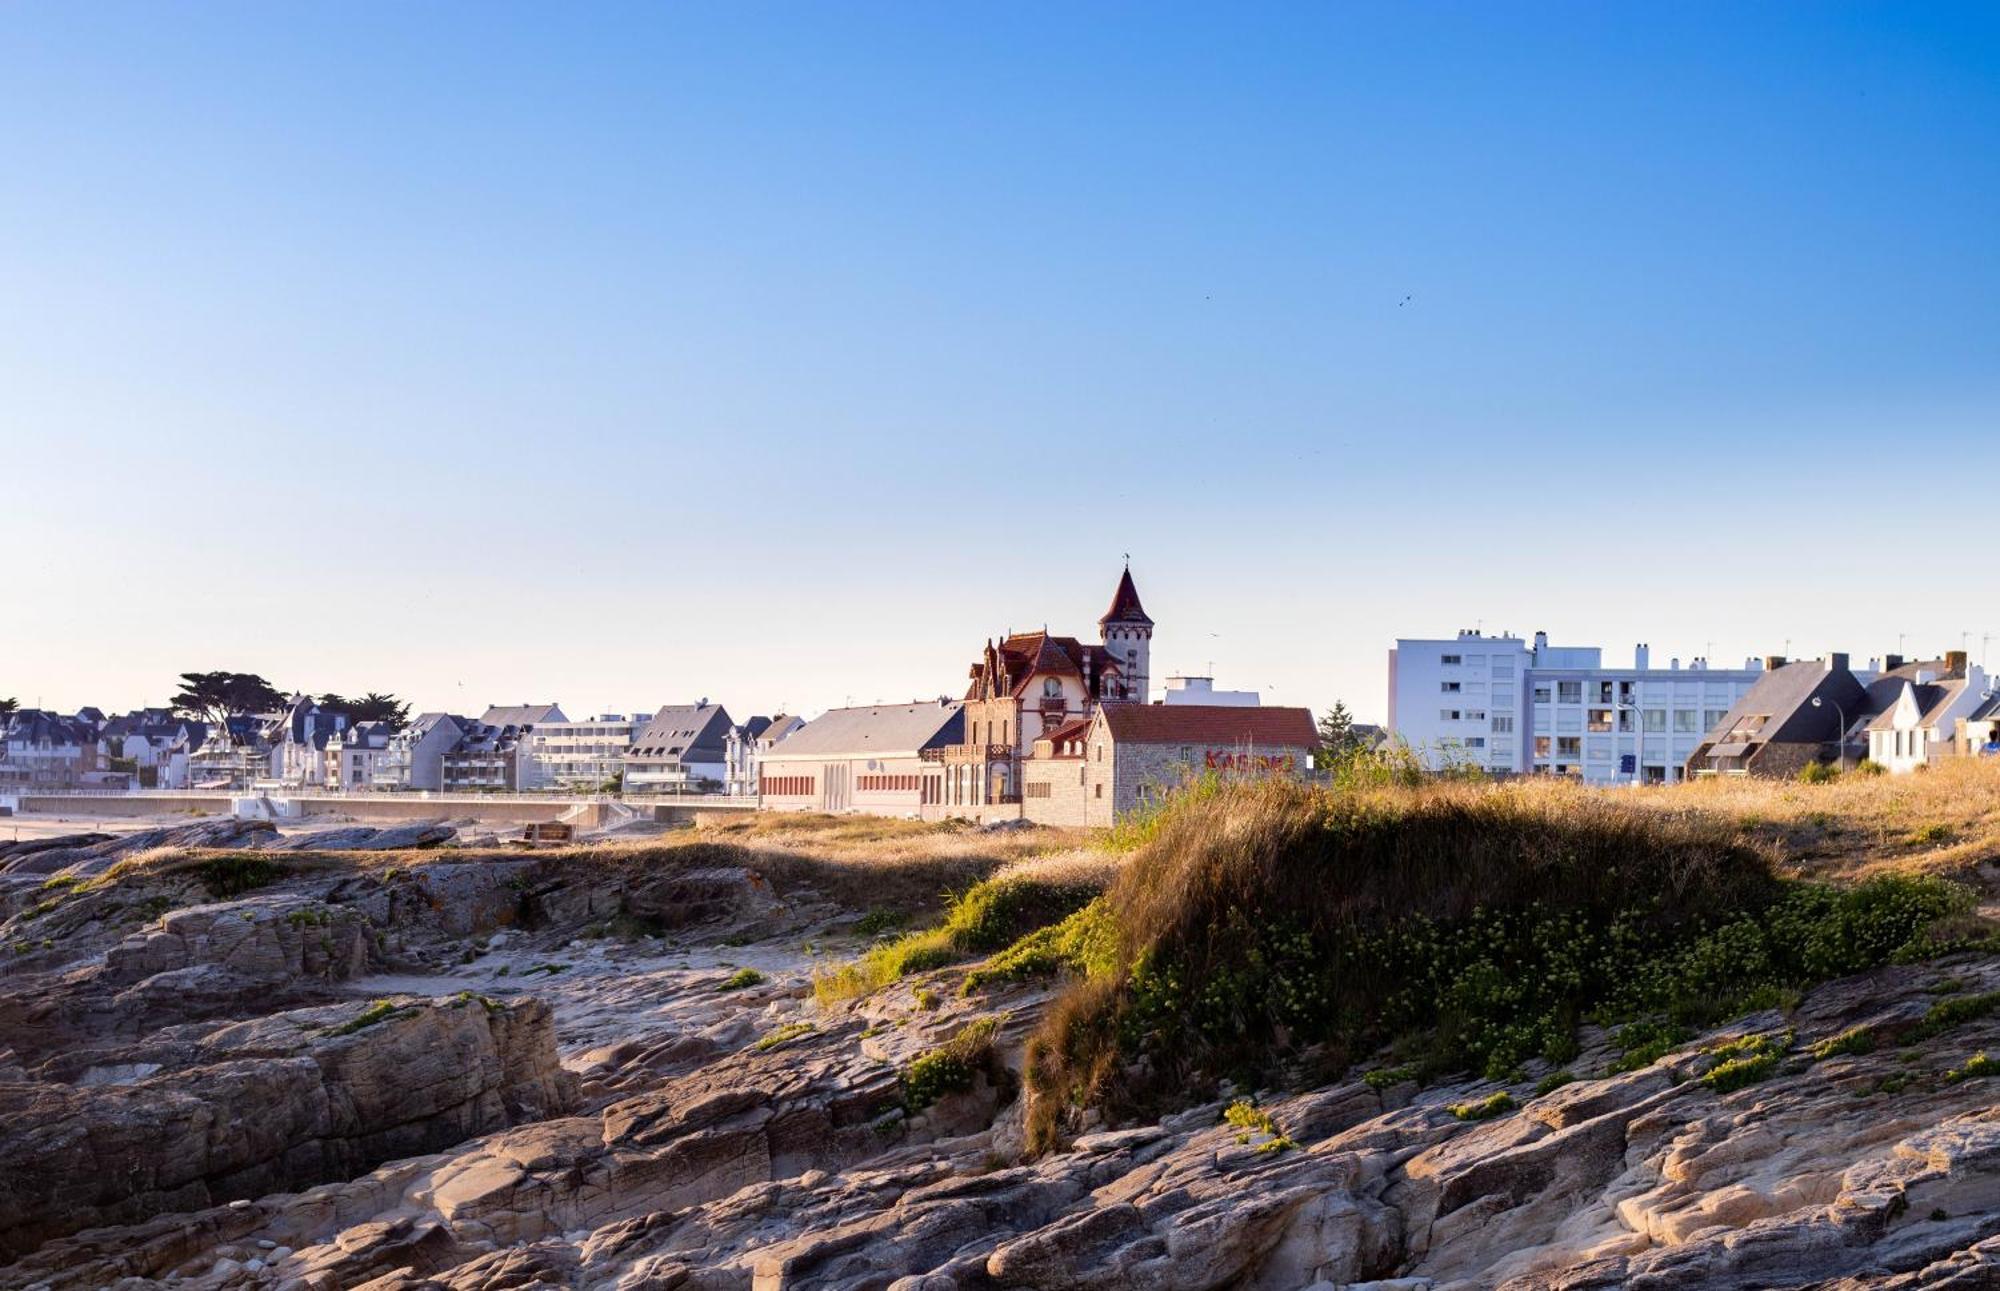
(251, 1108)
(716, 1128)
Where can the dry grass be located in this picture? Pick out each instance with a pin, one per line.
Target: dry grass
(1942, 821)
(1257, 922)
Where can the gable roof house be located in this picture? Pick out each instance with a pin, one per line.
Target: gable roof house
(154, 745)
(414, 756)
(879, 759)
(43, 750)
(746, 744)
(1810, 711)
(1029, 683)
(298, 739)
(683, 748)
(484, 759)
(1922, 723)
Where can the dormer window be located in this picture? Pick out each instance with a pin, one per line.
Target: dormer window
(1051, 688)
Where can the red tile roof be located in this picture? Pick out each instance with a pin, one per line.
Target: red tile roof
(1211, 724)
(1027, 655)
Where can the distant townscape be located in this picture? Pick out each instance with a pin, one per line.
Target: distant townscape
(1049, 729)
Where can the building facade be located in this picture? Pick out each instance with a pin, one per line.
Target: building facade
(881, 759)
(1822, 710)
(414, 758)
(681, 749)
(583, 756)
(1515, 707)
(1126, 756)
(744, 749)
(1201, 690)
(1030, 683)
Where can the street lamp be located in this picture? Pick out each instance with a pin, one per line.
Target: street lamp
(1840, 740)
(1638, 737)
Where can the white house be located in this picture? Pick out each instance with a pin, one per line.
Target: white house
(1514, 707)
(1922, 724)
(353, 755)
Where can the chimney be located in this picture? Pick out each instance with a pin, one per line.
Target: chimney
(1642, 656)
(1773, 662)
(1836, 662)
(1674, 664)
(1891, 662)
(1954, 663)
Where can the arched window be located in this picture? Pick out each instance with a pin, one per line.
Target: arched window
(1052, 687)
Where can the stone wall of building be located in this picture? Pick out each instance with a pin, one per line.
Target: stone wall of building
(1065, 799)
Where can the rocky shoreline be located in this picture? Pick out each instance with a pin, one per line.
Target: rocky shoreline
(538, 1069)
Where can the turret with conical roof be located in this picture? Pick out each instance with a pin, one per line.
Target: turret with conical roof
(1128, 633)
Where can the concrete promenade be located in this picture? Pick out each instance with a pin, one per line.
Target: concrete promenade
(371, 808)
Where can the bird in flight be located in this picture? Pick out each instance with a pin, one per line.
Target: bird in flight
(1404, 301)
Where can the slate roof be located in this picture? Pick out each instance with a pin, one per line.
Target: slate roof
(1211, 724)
(522, 714)
(37, 726)
(875, 731)
(684, 732)
(1932, 697)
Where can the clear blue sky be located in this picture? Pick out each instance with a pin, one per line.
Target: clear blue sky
(781, 354)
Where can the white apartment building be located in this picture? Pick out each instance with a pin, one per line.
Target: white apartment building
(1516, 707)
(581, 755)
(1201, 690)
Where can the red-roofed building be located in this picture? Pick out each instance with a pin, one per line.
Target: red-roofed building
(1033, 682)
(1030, 683)
(1090, 771)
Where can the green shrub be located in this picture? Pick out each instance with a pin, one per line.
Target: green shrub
(1855, 1040)
(1388, 1077)
(1935, 834)
(1955, 1011)
(1086, 942)
(1745, 1061)
(1818, 773)
(379, 1011)
(742, 979)
(950, 1068)
(1977, 1067)
(789, 1031)
(877, 922)
(1486, 1108)
(1550, 1083)
(1271, 924)
(1869, 767)
(986, 917)
(1252, 1120)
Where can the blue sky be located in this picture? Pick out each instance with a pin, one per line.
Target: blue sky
(781, 354)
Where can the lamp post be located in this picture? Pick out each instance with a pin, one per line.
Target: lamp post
(1638, 737)
(1840, 740)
